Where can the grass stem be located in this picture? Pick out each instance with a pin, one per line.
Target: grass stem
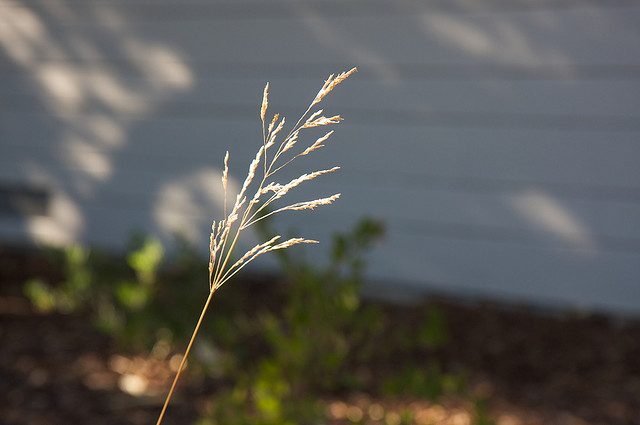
(221, 249)
(184, 357)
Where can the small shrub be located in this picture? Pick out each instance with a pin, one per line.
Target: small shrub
(311, 343)
(133, 300)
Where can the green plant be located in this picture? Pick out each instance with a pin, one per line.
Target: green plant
(115, 296)
(68, 296)
(133, 299)
(312, 341)
(480, 412)
(248, 211)
(324, 322)
(425, 380)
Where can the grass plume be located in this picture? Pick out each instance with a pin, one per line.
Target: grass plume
(249, 209)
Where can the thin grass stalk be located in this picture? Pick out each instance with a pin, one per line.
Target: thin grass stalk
(184, 357)
(220, 247)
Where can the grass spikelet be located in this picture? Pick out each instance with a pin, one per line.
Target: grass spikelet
(225, 174)
(317, 144)
(225, 233)
(265, 102)
(295, 182)
(331, 83)
(308, 205)
(291, 242)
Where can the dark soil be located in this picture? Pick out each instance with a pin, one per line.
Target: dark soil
(533, 368)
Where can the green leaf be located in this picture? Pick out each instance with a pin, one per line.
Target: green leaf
(132, 295)
(146, 259)
(40, 295)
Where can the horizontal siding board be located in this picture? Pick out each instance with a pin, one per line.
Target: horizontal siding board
(529, 101)
(292, 69)
(191, 10)
(145, 11)
(550, 36)
(423, 117)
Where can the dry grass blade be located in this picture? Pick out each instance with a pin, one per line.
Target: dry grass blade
(225, 233)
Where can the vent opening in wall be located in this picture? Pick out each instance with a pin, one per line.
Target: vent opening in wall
(18, 199)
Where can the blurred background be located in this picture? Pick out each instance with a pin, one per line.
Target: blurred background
(493, 146)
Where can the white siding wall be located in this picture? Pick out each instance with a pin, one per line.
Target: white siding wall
(499, 140)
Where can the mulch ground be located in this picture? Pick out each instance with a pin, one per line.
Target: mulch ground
(533, 368)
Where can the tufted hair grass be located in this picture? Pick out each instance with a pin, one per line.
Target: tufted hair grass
(274, 154)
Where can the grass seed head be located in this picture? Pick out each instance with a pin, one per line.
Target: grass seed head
(224, 237)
